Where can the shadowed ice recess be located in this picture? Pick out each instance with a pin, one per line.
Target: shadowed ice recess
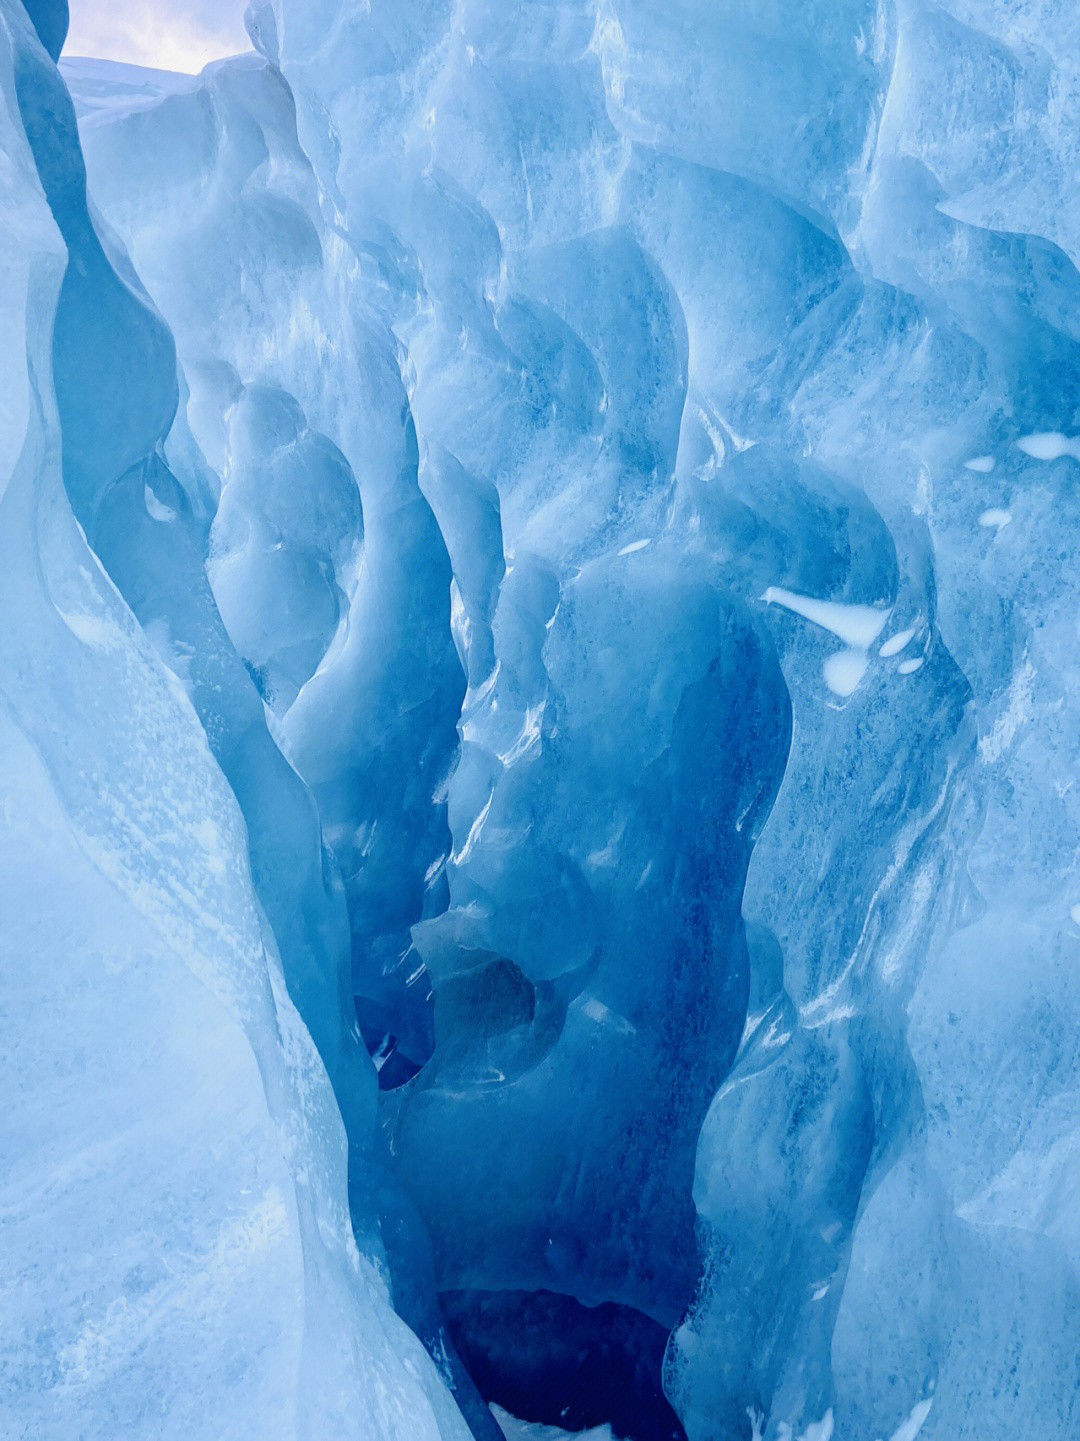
(539, 725)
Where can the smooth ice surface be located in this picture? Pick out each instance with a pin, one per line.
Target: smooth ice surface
(540, 724)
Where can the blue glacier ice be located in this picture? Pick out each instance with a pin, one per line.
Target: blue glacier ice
(540, 707)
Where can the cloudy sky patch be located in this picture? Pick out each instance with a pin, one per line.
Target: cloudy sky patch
(167, 34)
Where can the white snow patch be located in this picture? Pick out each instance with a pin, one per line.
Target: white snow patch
(983, 464)
(634, 545)
(896, 643)
(909, 667)
(1049, 445)
(995, 517)
(844, 671)
(856, 625)
(154, 507)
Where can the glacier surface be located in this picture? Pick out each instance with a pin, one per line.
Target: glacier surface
(540, 705)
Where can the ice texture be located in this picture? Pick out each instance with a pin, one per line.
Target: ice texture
(541, 712)
(178, 1255)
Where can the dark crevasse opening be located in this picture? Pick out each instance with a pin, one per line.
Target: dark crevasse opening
(547, 1358)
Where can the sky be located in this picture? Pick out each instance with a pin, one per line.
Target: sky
(167, 34)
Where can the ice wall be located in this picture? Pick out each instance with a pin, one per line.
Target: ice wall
(631, 452)
(787, 294)
(178, 1255)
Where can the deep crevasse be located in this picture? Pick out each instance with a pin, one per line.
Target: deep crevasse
(616, 543)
